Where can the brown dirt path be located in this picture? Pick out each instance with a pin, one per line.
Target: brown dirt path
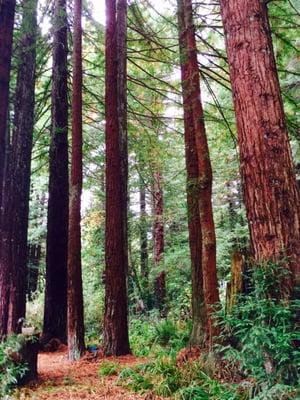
(61, 380)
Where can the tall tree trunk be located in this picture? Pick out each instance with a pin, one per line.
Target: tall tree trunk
(270, 191)
(143, 233)
(20, 161)
(7, 15)
(55, 313)
(158, 211)
(198, 335)
(204, 186)
(116, 340)
(15, 200)
(121, 29)
(75, 295)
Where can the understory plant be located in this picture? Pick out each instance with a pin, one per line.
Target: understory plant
(151, 335)
(260, 333)
(11, 366)
(164, 378)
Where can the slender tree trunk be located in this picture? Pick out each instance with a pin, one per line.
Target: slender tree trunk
(7, 14)
(204, 186)
(198, 335)
(160, 292)
(75, 295)
(55, 313)
(33, 262)
(116, 340)
(158, 211)
(271, 194)
(143, 233)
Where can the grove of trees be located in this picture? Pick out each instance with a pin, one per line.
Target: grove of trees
(148, 177)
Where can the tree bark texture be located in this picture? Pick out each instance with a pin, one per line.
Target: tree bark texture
(20, 160)
(15, 200)
(143, 233)
(55, 313)
(7, 15)
(204, 179)
(271, 194)
(160, 294)
(115, 337)
(75, 295)
(158, 212)
(198, 335)
(121, 31)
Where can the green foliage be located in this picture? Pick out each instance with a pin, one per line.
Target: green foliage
(264, 329)
(192, 393)
(150, 335)
(164, 332)
(108, 368)
(11, 367)
(134, 380)
(35, 311)
(263, 391)
(164, 378)
(141, 336)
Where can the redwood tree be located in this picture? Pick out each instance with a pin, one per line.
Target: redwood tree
(20, 161)
(15, 200)
(158, 210)
(195, 237)
(55, 313)
(116, 340)
(143, 233)
(75, 295)
(7, 14)
(194, 119)
(271, 194)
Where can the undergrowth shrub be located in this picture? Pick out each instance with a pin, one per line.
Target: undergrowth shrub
(153, 335)
(262, 330)
(11, 368)
(165, 379)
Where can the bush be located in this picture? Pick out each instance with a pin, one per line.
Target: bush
(165, 379)
(263, 327)
(11, 367)
(151, 335)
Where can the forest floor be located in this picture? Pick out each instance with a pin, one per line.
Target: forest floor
(61, 380)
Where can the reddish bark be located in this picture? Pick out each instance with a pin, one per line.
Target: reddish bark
(143, 234)
(115, 335)
(204, 179)
(161, 293)
(7, 14)
(191, 157)
(158, 209)
(121, 31)
(270, 191)
(75, 295)
(55, 313)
